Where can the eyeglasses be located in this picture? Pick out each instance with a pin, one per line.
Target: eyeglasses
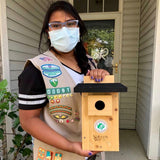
(59, 25)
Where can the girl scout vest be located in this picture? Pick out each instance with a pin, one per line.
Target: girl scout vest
(63, 112)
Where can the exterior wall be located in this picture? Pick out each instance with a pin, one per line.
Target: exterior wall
(24, 20)
(130, 44)
(0, 60)
(147, 30)
(154, 126)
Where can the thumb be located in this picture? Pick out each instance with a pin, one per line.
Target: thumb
(88, 73)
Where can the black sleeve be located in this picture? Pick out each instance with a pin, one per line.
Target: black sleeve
(32, 91)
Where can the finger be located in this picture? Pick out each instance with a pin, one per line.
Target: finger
(92, 74)
(95, 74)
(88, 73)
(104, 73)
(99, 75)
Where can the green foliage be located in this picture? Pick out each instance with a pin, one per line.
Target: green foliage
(100, 38)
(21, 140)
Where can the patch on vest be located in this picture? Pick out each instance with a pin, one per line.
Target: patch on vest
(63, 114)
(55, 91)
(54, 82)
(51, 70)
(45, 59)
(58, 156)
(48, 155)
(44, 154)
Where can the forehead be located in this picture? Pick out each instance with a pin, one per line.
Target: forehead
(60, 16)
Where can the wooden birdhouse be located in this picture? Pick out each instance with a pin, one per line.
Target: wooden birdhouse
(100, 113)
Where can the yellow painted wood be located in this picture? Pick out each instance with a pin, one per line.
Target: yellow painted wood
(92, 110)
(100, 128)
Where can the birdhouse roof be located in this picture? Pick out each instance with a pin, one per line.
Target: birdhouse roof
(100, 87)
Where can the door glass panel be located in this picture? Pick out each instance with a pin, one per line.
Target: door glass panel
(80, 5)
(95, 5)
(111, 5)
(99, 42)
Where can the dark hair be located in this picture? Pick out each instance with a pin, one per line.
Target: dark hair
(80, 52)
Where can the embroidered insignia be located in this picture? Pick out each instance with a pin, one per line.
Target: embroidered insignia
(41, 154)
(54, 82)
(44, 155)
(51, 70)
(61, 111)
(45, 59)
(58, 156)
(57, 100)
(52, 101)
(55, 91)
(49, 155)
(60, 116)
(60, 107)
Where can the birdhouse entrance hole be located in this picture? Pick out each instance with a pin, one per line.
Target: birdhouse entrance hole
(100, 105)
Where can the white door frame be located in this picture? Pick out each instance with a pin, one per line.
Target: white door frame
(5, 61)
(153, 150)
(4, 42)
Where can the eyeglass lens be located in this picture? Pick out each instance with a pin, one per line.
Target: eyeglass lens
(59, 25)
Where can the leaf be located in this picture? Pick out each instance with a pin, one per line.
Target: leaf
(16, 122)
(2, 93)
(2, 117)
(20, 129)
(28, 139)
(4, 105)
(17, 140)
(1, 134)
(3, 84)
(12, 115)
(26, 152)
(11, 150)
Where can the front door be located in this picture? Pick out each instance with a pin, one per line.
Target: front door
(102, 42)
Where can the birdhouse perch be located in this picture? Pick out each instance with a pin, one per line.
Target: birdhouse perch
(100, 113)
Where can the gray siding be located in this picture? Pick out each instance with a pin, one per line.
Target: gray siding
(0, 61)
(147, 27)
(130, 43)
(24, 20)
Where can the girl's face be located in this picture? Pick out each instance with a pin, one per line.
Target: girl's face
(60, 16)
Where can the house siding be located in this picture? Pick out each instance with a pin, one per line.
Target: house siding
(24, 21)
(0, 62)
(147, 29)
(129, 62)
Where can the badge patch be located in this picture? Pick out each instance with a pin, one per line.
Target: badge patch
(41, 154)
(58, 156)
(51, 70)
(49, 155)
(54, 82)
(100, 126)
(55, 91)
(45, 59)
(44, 155)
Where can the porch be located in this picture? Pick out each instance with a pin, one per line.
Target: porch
(130, 147)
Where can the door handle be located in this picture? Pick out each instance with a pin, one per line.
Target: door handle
(116, 68)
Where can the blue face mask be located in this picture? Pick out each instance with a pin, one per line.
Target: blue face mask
(65, 39)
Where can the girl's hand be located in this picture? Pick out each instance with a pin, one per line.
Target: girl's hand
(97, 74)
(77, 148)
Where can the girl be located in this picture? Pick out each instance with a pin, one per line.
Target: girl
(49, 110)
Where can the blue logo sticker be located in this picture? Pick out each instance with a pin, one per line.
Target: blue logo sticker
(51, 70)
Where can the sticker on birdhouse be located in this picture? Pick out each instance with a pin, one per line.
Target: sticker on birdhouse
(100, 126)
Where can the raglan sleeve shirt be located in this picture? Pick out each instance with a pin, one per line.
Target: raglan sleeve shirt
(32, 92)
